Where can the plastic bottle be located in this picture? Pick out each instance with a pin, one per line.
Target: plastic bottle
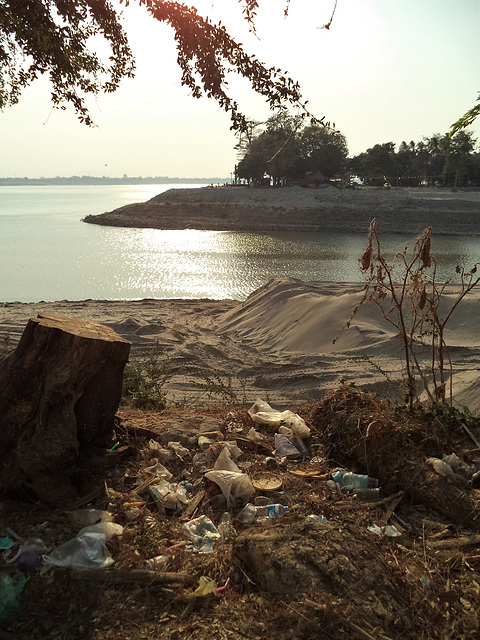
(348, 480)
(271, 511)
(247, 514)
(251, 513)
(313, 517)
(225, 527)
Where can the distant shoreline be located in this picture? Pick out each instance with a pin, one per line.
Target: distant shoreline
(93, 180)
(331, 210)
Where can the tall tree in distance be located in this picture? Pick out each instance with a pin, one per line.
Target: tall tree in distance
(324, 150)
(288, 149)
(458, 154)
(54, 37)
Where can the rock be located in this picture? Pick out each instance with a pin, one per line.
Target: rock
(59, 389)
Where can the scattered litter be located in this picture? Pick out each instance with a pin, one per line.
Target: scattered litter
(225, 527)
(223, 587)
(390, 530)
(235, 486)
(205, 587)
(10, 589)
(224, 462)
(216, 449)
(207, 439)
(262, 413)
(267, 482)
(86, 551)
(269, 463)
(167, 495)
(109, 529)
(85, 517)
(316, 518)
(159, 563)
(161, 453)
(157, 470)
(251, 513)
(29, 556)
(284, 448)
(178, 449)
(349, 481)
(255, 436)
(201, 531)
(6, 543)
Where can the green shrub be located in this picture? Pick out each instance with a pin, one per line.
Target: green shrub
(144, 379)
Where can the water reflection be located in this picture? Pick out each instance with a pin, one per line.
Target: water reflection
(218, 264)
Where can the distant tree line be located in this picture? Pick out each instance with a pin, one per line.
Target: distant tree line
(450, 161)
(288, 150)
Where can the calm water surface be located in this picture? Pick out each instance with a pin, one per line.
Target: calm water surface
(47, 253)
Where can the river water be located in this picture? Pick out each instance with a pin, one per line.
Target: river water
(47, 253)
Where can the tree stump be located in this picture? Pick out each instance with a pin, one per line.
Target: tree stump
(59, 389)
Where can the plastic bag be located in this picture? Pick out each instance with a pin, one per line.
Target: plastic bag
(168, 495)
(201, 531)
(255, 436)
(225, 463)
(85, 517)
(205, 587)
(442, 468)
(157, 469)
(10, 589)
(283, 447)
(109, 529)
(86, 551)
(178, 449)
(161, 453)
(29, 556)
(216, 449)
(390, 530)
(262, 413)
(234, 485)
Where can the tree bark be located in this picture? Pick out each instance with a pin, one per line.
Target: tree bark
(59, 389)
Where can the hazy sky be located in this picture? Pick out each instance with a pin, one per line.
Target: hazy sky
(385, 71)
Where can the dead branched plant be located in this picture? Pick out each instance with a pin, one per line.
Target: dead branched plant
(416, 305)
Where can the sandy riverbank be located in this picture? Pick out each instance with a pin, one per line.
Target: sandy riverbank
(228, 208)
(278, 344)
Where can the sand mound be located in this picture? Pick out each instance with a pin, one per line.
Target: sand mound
(290, 315)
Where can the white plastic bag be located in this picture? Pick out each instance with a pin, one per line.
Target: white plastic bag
(85, 517)
(224, 462)
(109, 529)
(442, 468)
(157, 469)
(262, 413)
(234, 485)
(255, 436)
(86, 551)
(168, 495)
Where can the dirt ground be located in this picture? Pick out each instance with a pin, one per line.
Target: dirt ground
(293, 577)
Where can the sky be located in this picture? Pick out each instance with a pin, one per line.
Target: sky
(385, 71)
